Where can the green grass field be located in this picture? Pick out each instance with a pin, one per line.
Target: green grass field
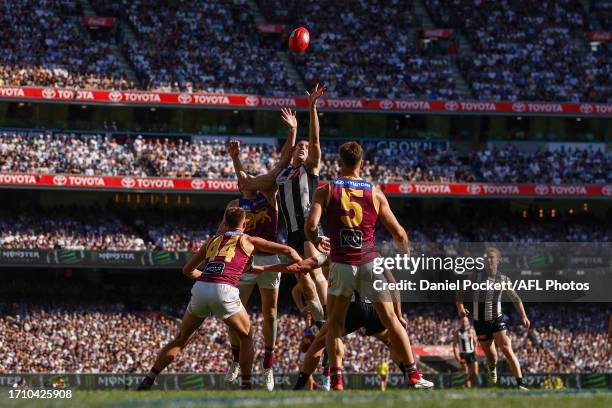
(357, 399)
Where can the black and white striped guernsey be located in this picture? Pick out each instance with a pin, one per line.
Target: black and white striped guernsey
(296, 186)
(487, 303)
(466, 343)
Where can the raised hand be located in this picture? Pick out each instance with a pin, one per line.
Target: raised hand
(234, 148)
(315, 94)
(289, 118)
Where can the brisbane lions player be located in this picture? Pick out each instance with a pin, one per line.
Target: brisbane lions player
(262, 221)
(353, 207)
(224, 258)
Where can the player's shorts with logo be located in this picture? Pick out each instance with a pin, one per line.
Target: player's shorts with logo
(266, 280)
(216, 299)
(468, 357)
(362, 314)
(345, 278)
(485, 328)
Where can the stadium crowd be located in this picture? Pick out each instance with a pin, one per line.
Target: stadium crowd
(517, 49)
(202, 46)
(112, 338)
(140, 156)
(525, 50)
(41, 45)
(95, 229)
(357, 56)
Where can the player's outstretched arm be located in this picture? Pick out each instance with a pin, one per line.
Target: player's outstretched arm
(314, 216)
(387, 218)
(313, 161)
(191, 269)
(264, 182)
(290, 120)
(303, 266)
(262, 245)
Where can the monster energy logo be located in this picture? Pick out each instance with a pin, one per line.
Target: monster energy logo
(69, 256)
(536, 261)
(457, 380)
(594, 381)
(193, 382)
(163, 257)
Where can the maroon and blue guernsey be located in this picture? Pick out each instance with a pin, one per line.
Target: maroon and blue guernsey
(262, 218)
(226, 258)
(352, 212)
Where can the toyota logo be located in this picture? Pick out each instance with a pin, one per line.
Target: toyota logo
(405, 188)
(252, 100)
(60, 180)
(586, 108)
(451, 106)
(541, 189)
(519, 107)
(48, 93)
(386, 104)
(184, 98)
(197, 184)
(128, 182)
(474, 189)
(607, 190)
(321, 103)
(115, 96)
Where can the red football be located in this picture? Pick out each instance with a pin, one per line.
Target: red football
(299, 40)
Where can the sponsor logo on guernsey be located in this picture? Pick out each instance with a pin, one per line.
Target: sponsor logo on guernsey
(358, 184)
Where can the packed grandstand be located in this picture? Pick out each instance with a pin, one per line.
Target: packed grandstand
(102, 319)
(503, 54)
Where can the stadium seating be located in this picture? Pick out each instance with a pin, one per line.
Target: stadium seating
(143, 156)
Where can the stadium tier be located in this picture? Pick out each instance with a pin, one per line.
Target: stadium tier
(43, 153)
(474, 54)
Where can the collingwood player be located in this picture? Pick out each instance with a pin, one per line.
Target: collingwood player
(464, 349)
(262, 221)
(489, 322)
(297, 183)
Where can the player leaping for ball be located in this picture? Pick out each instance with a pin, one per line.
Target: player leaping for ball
(224, 256)
(262, 216)
(297, 183)
(353, 207)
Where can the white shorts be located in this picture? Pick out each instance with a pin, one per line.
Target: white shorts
(345, 278)
(266, 280)
(217, 299)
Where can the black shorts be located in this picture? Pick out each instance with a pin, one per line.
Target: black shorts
(486, 328)
(296, 240)
(361, 314)
(468, 357)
